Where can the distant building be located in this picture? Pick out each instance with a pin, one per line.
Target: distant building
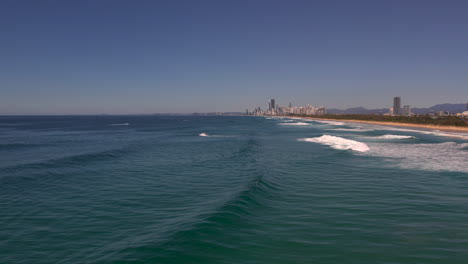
(407, 110)
(442, 113)
(396, 105)
(321, 111)
(275, 109)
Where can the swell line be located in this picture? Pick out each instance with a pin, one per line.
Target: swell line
(225, 219)
(13, 146)
(68, 161)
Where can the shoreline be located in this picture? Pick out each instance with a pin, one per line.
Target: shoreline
(431, 127)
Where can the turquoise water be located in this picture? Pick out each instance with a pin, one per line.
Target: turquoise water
(194, 189)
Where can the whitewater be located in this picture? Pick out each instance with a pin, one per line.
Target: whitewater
(338, 143)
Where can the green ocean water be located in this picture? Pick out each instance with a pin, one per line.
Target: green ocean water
(195, 189)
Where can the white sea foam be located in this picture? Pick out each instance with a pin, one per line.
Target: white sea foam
(123, 124)
(464, 145)
(434, 133)
(338, 143)
(208, 135)
(334, 123)
(295, 124)
(397, 129)
(394, 137)
(447, 156)
(453, 135)
(351, 129)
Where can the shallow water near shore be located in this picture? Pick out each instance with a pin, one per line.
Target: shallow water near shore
(428, 127)
(196, 189)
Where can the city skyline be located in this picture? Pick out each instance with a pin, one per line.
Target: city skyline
(396, 109)
(101, 57)
(275, 109)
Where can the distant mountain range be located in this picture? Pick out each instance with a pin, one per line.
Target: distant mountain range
(452, 108)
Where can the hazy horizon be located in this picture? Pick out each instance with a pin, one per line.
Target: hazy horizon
(169, 113)
(144, 57)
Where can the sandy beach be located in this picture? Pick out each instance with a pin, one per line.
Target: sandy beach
(431, 127)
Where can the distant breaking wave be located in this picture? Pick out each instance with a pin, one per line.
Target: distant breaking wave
(123, 124)
(351, 129)
(295, 124)
(208, 135)
(453, 135)
(434, 133)
(394, 137)
(335, 123)
(446, 156)
(338, 143)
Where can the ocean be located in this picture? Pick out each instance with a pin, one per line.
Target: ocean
(227, 189)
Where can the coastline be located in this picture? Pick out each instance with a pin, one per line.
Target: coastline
(430, 127)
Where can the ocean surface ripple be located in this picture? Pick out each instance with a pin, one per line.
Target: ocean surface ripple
(197, 189)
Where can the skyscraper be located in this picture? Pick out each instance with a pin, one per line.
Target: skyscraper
(396, 105)
(407, 110)
(272, 105)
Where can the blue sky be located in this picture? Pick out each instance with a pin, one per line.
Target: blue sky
(119, 57)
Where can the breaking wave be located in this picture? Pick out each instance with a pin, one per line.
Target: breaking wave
(441, 134)
(122, 124)
(334, 123)
(351, 129)
(295, 124)
(208, 135)
(338, 143)
(434, 133)
(447, 156)
(394, 137)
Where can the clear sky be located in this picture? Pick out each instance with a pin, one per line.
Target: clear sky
(118, 57)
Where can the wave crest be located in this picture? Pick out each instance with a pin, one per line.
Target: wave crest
(334, 123)
(208, 135)
(351, 129)
(338, 143)
(122, 124)
(394, 137)
(295, 124)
